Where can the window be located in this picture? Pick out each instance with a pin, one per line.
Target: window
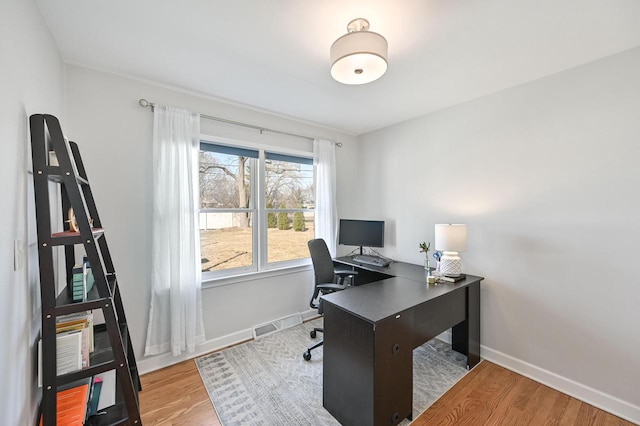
(256, 209)
(289, 199)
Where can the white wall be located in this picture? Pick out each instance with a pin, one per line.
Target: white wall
(31, 81)
(546, 176)
(114, 134)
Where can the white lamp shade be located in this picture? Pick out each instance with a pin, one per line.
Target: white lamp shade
(359, 57)
(451, 237)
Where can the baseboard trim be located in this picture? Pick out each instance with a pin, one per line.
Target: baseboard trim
(309, 314)
(156, 362)
(601, 400)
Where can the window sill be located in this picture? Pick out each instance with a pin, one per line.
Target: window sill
(252, 276)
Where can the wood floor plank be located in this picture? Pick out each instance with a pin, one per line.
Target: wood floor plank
(487, 395)
(510, 408)
(551, 401)
(527, 414)
(553, 416)
(570, 414)
(586, 415)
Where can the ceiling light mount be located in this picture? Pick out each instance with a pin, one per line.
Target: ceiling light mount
(360, 56)
(358, 24)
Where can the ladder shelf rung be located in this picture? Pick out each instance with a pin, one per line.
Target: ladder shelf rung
(72, 237)
(86, 372)
(55, 174)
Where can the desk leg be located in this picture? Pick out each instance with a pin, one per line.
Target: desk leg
(348, 367)
(368, 368)
(466, 335)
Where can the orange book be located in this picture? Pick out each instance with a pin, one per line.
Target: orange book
(71, 406)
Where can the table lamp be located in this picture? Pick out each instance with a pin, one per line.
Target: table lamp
(450, 239)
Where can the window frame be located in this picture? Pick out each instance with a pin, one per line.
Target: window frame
(257, 207)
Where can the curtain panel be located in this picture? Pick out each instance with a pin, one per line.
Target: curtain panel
(326, 215)
(175, 315)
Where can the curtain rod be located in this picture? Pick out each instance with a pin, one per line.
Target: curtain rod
(145, 103)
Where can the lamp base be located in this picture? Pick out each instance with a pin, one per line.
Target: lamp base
(450, 265)
(449, 279)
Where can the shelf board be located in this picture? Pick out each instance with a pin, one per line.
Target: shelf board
(71, 237)
(114, 415)
(65, 305)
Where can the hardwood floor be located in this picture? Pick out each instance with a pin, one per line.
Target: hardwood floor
(488, 395)
(176, 396)
(492, 395)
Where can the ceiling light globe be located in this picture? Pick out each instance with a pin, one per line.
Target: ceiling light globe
(359, 57)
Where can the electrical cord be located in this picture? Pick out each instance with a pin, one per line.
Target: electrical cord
(379, 255)
(352, 251)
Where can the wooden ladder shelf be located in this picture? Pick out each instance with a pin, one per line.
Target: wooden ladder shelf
(57, 160)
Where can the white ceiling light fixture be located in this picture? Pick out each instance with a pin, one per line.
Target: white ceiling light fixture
(360, 56)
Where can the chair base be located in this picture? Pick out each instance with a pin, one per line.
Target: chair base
(313, 333)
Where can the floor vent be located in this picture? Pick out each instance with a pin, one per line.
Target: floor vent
(279, 324)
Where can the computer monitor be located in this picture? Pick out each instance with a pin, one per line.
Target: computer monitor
(368, 233)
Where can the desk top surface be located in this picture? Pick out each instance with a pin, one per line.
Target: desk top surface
(406, 288)
(395, 269)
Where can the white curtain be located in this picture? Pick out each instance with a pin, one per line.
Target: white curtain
(326, 215)
(175, 316)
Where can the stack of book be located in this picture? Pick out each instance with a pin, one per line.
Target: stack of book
(81, 282)
(71, 406)
(77, 402)
(74, 343)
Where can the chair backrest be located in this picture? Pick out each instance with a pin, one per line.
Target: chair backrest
(322, 262)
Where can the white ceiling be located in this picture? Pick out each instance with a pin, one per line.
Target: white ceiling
(274, 54)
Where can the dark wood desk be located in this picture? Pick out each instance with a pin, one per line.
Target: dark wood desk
(371, 331)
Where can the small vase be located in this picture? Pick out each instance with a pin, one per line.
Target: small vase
(427, 266)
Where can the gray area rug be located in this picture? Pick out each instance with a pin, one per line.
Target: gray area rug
(266, 382)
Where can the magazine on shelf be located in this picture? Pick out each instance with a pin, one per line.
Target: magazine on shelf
(74, 343)
(68, 352)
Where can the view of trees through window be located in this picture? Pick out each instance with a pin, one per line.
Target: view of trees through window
(241, 217)
(290, 200)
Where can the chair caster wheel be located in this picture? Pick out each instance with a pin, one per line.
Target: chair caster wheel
(313, 334)
(307, 356)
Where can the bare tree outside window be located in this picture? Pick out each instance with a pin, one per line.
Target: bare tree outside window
(225, 183)
(225, 226)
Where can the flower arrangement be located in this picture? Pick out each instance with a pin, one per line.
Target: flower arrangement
(424, 248)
